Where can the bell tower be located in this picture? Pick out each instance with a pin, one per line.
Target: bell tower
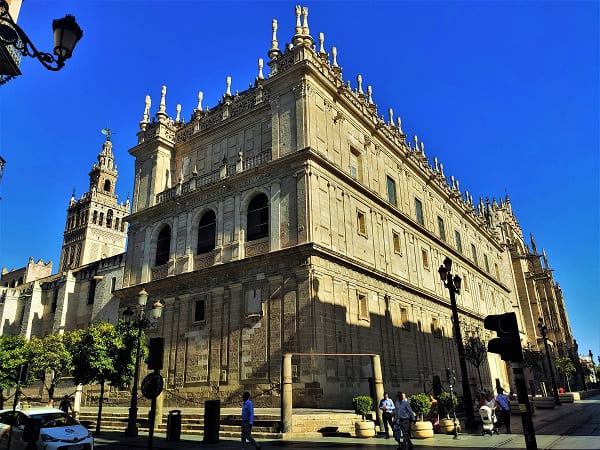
(95, 228)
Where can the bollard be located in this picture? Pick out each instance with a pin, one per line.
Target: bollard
(212, 421)
(174, 425)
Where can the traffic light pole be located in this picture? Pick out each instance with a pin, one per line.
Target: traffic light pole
(466, 388)
(524, 406)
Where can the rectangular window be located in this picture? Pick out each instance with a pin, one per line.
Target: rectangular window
(363, 307)
(254, 303)
(458, 241)
(91, 291)
(391, 190)
(199, 311)
(425, 256)
(356, 164)
(480, 292)
(487, 263)
(362, 227)
(113, 284)
(441, 229)
(419, 211)
(404, 318)
(465, 285)
(397, 248)
(54, 301)
(474, 253)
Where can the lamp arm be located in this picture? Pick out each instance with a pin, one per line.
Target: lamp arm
(23, 44)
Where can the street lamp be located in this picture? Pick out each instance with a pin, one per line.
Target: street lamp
(543, 331)
(453, 284)
(12, 37)
(140, 323)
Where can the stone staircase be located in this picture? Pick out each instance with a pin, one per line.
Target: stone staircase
(265, 426)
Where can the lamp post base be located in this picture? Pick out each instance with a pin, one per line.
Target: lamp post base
(131, 429)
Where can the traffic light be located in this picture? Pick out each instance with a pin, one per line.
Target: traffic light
(508, 343)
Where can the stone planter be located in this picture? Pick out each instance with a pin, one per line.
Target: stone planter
(365, 429)
(569, 397)
(543, 402)
(447, 426)
(422, 430)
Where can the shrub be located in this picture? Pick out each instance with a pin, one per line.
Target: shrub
(362, 405)
(420, 404)
(446, 400)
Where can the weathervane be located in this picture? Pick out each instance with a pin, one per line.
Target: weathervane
(107, 132)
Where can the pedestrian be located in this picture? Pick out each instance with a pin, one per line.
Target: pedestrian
(434, 413)
(404, 417)
(503, 402)
(247, 421)
(491, 403)
(65, 404)
(386, 405)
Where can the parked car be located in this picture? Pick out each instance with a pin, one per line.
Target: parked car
(57, 430)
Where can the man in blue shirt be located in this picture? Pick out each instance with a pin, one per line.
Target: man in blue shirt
(404, 417)
(386, 405)
(503, 402)
(247, 421)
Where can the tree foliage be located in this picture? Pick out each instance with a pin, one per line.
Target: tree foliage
(14, 351)
(532, 359)
(476, 354)
(125, 360)
(420, 404)
(50, 354)
(565, 366)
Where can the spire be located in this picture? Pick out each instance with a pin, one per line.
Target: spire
(546, 265)
(533, 246)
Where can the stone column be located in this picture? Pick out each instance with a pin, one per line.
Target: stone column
(378, 385)
(286, 394)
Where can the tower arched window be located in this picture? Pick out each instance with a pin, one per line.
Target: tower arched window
(101, 221)
(107, 185)
(94, 217)
(109, 216)
(258, 218)
(116, 223)
(206, 233)
(163, 246)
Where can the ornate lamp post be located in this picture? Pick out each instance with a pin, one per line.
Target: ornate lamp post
(544, 331)
(453, 284)
(13, 39)
(140, 323)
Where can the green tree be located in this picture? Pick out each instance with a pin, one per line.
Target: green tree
(95, 352)
(533, 360)
(125, 361)
(476, 354)
(566, 368)
(50, 354)
(14, 351)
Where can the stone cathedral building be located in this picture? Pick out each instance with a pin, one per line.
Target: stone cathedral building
(292, 217)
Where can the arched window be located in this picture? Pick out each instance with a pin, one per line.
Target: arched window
(95, 217)
(107, 185)
(101, 220)
(116, 223)
(163, 246)
(109, 215)
(206, 233)
(258, 218)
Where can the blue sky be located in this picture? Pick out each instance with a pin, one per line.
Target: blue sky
(505, 94)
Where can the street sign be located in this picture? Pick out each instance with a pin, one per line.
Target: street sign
(152, 385)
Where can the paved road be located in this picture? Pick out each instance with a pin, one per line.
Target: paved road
(571, 426)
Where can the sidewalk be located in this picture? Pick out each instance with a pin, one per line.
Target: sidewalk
(570, 426)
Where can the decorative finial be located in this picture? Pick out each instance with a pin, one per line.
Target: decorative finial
(274, 43)
(178, 111)
(305, 29)
(359, 82)
(321, 43)
(334, 57)
(297, 39)
(228, 90)
(200, 97)
(457, 186)
(391, 114)
(423, 148)
(260, 69)
(416, 141)
(436, 166)
(452, 182)
(162, 108)
(370, 95)
(146, 116)
(442, 169)
(399, 125)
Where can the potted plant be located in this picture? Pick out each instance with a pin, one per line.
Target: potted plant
(447, 401)
(363, 405)
(421, 405)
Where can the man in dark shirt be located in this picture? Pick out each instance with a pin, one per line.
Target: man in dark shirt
(404, 417)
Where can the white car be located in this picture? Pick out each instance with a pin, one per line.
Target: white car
(58, 431)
